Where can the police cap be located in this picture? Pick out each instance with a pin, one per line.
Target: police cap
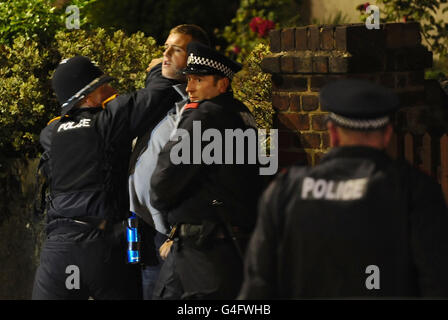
(75, 78)
(358, 104)
(203, 60)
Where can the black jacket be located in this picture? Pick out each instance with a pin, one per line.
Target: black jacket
(322, 231)
(186, 192)
(90, 149)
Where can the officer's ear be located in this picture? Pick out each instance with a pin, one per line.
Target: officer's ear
(388, 131)
(223, 84)
(335, 139)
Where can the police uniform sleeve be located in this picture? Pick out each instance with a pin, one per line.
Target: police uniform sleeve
(172, 181)
(141, 109)
(429, 238)
(261, 260)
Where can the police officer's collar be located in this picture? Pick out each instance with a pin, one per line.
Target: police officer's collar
(181, 90)
(224, 95)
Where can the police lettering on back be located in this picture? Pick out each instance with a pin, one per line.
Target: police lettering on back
(83, 123)
(352, 189)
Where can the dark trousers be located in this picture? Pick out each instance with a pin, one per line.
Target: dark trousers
(93, 262)
(150, 272)
(210, 271)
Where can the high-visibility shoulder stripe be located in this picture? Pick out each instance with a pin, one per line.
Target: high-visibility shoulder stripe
(54, 119)
(103, 104)
(192, 105)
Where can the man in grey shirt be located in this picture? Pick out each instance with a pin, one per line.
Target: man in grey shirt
(139, 184)
(146, 154)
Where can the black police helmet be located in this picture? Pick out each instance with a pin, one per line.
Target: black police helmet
(358, 104)
(75, 78)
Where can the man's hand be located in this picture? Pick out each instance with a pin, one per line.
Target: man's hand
(153, 63)
(165, 248)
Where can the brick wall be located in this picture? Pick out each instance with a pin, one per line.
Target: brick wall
(304, 59)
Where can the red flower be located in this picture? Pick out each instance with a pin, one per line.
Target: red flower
(362, 7)
(261, 26)
(236, 50)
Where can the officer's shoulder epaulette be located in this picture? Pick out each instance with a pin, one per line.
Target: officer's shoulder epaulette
(54, 119)
(192, 105)
(103, 104)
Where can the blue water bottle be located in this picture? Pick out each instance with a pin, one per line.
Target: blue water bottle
(133, 239)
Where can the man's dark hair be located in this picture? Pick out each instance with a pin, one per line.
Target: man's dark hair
(197, 33)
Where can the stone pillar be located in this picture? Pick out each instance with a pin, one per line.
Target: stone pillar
(304, 59)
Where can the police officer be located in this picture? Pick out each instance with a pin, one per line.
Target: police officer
(207, 203)
(359, 224)
(87, 154)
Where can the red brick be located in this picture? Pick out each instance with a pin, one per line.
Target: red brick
(326, 141)
(303, 64)
(288, 37)
(340, 36)
(275, 40)
(280, 102)
(310, 140)
(356, 38)
(289, 83)
(318, 157)
(294, 103)
(287, 64)
(318, 122)
(293, 121)
(340, 65)
(394, 35)
(313, 38)
(310, 103)
(302, 38)
(411, 34)
(317, 82)
(320, 64)
(327, 38)
(271, 64)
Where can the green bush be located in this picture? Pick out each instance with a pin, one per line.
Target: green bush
(123, 57)
(253, 87)
(24, 94)
(34, 19)
(27, 101)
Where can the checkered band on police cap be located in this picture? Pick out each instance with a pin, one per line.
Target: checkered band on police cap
(201, 61)
(207, 61)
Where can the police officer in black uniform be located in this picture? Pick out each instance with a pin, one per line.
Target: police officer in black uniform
(207, 203)
(86, 156)
(359, 224)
